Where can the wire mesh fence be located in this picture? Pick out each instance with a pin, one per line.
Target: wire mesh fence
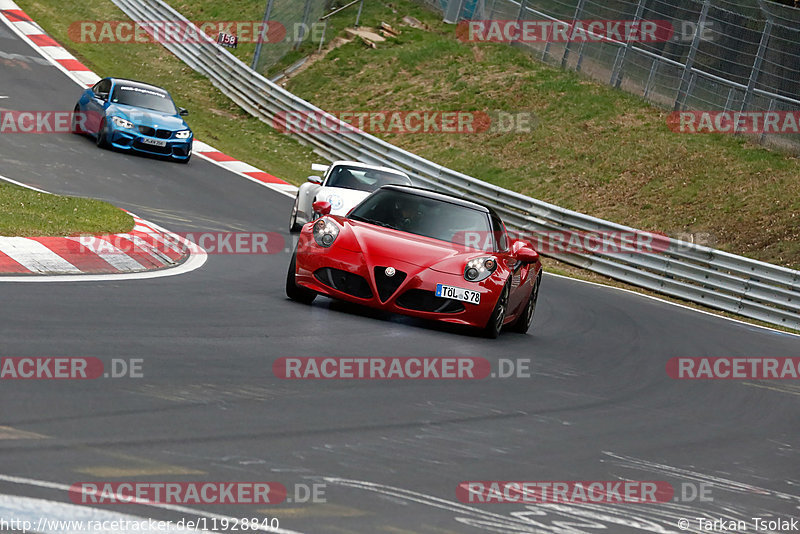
(721, 55)
(290, 23)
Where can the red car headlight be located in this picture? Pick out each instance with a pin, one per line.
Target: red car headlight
(325, 232)
(478, 269)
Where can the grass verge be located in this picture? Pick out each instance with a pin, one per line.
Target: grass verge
(25, 212)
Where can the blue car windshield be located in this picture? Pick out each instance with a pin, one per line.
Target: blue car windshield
(141, 97)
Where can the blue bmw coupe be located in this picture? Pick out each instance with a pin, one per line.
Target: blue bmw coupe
(130, 115)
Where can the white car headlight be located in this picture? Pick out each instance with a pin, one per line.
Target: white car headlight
(183, 134)
(122, 123)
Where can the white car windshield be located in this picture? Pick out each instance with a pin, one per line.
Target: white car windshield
(361, 179)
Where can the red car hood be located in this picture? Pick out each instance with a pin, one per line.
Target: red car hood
(376, 243)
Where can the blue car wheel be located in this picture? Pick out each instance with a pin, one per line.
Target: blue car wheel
(102, 135)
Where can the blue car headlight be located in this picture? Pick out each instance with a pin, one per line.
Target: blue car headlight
(122, 123)
(183, 134)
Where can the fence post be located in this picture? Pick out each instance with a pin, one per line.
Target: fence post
(451, 15)
(306, 13)
(575, 18)
(770, 109)
(762, 50)
(521, 10)
(358, 17)
(683, 93)
(491, 13)
(263, 36)
(322, 39)
(651, 78)
(616, 75)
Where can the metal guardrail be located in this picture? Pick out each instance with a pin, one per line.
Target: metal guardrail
(714, 278)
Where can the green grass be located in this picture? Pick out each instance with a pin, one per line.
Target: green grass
(213, 117)
(25, 212)
(595, 149)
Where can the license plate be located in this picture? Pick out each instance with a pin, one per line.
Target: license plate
(458, 293)
(154, 142)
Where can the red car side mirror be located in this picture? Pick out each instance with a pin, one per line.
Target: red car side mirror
(322, 207)
(526, 254)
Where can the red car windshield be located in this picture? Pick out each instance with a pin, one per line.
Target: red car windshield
(427, 217)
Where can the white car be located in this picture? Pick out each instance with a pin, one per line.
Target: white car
(343, 184)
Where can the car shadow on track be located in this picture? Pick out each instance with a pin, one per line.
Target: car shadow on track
(349, 308)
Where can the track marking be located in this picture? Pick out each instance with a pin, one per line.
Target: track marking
(168, 507)
(101, 471)
(8, 433)
(780, 388)
(138, 467)
(318, 510)
(51, 517)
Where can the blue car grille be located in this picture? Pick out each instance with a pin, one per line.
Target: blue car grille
(152, 132)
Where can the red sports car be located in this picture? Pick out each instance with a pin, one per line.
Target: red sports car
(419, 253)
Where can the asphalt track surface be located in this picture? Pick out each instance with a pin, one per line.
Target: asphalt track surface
(597, 406)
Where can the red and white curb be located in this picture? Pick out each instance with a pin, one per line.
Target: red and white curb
(145, 248)
(243, 169)
(30, 32)
(147, 251)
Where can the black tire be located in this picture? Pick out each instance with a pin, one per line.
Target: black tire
(293, 291)
(495, 323)
(294, 226)
(74, 126)
(102, 142)
(524, 321)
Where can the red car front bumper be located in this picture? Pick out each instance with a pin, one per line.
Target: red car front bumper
(350, 276)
